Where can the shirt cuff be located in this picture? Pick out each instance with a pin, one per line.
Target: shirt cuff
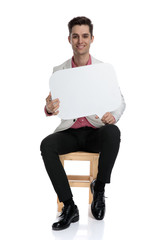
(47, 113)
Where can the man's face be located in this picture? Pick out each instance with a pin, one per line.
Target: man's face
(80, 39)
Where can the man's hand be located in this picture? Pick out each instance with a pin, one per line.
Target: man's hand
(107, 118)
(52, 105)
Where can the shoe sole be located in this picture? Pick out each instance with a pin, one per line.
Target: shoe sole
(75, 219)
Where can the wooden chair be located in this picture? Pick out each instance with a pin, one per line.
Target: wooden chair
(81, 180)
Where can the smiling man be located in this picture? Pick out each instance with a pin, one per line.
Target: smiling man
(89, 133)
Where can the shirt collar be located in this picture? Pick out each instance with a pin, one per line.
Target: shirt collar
(88, 63)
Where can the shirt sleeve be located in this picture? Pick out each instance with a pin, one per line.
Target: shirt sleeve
(118, 112)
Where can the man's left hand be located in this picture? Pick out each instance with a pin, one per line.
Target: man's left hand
(107, 118)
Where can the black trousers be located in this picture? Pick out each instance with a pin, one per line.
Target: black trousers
(104, 140)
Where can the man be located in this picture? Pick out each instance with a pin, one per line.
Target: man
(89, 134)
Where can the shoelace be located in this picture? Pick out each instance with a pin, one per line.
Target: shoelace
(64, 210)
(99, 199)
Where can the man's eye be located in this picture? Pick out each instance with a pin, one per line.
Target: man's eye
(85, 36)
(74, 36)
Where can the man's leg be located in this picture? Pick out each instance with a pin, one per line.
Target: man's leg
(51, 147)
(105, 140)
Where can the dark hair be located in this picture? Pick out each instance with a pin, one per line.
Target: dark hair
(80, 21)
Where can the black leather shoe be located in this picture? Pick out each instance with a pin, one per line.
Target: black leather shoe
(69, 215)
(98, 203)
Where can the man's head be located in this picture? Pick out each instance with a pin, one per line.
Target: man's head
(80, 35)
(80, 21)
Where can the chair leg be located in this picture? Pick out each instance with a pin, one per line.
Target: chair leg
(91, 179)
(95, 167)
(93, 174)
(90, 196)
(60, 205)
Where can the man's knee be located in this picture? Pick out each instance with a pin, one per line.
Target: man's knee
(46, 144)
(114, 130)
(111, 131)
(43, 144)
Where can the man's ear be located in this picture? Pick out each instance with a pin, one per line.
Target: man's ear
(69, 39)
(92, 39)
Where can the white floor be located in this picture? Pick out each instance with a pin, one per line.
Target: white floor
(86, 228)
(127, 217)
(29, 208)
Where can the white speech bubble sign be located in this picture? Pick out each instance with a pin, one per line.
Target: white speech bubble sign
(87, 90)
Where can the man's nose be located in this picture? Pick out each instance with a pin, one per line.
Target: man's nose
(80, 39)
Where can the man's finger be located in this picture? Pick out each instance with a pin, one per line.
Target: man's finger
(55, 104)
(105, 115)
(55, 100)
(108, 117)
(48, 99)
(56, 113)
(55, 108)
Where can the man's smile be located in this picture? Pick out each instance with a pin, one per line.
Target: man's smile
(80, 46)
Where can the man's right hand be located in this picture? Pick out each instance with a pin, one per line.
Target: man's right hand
(52, 105)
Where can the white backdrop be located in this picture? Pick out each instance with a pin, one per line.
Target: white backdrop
(33, 40)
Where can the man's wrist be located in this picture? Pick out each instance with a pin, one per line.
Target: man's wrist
(46, 111)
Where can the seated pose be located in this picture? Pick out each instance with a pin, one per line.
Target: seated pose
(89, 133)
